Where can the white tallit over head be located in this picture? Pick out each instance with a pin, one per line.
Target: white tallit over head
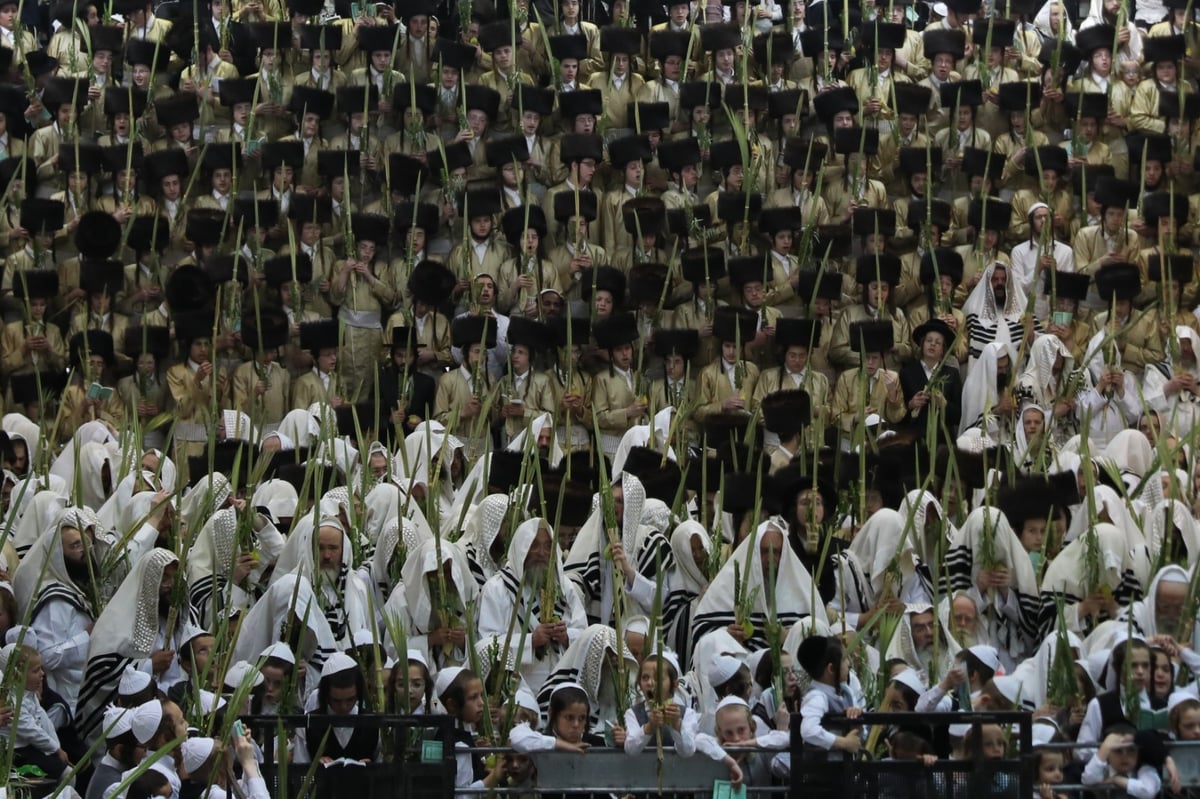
(94, 459)
(299, 427)
(45, 570)
(534, 431)
(20, 427)
(1067, 573)
(88, 432)
(265, 623)
(981, 302)
(136, 481)
(491, 513)
(586, 662)
(421, 564)
(904, 648)
(1034, 672)
(521, 543)
(1042, 22)
(214, 549)
(881, 545)
(1039, 375)
(41, 510)
(1006, 544)
(206, 497)
(979, 391)
(395, 533)
(654, 435)
(914, 509)
(277, 496)
(381, 506)
(1145, 611)
(129, 624)
(1130, 452)
(1172, 513)
(688, 575)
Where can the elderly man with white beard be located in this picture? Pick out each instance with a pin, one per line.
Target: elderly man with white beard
(913, 642)
(341, 591)
(1158, 617)
(1172, 387)
(526, 599)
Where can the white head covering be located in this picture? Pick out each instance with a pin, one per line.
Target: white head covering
(264, 624)
(534, 431)
(979, 390)
(423, 562)
(586, 662)
(194, 752)
(117, 721)
(981, 302)
(146, 720)
(277, 496)
(133, 682)
(20, 427)
(45, 571)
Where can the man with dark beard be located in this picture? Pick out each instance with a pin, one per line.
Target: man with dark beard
(58, 592)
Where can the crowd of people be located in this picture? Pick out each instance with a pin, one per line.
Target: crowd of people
(599, 375)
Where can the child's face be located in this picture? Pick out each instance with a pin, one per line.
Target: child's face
(992, 743)
(655, 681)
(1164, 677)
(1189, 725)
(1123, 760)
(201, 652)
(1050, 769)
(1139, 666)
(472, 710)
(571, 722)
(416, 686)
(733, 724)
(34, 674)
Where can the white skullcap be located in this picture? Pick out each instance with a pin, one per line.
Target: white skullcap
(207, 701)
(1036, 207)
(146, 719)
(639, 625)
(337, 663)
(526, 700)
(195, 751)
(722, 669)
(21, 635)
(910, 679)
(673, 659)
(732, 701)
(389, 663)
(238, 672)
(117, 721)
(364, 638)
(415, 656)
(1177, 697)
(1170, 576)
(942, 10)
(987, 655)
(958, 730)
(445, 677)
(561, 686)
(1009, 687)
(280, 651)
(133, 682)
(753, 659)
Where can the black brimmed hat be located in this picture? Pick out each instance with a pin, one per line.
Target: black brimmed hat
(872, 336)
(732, 324)
(1120, 281)
(880, 267)
(42, 216)
(321, 335)
(468, 330)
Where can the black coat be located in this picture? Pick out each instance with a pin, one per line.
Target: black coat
(913, 380)
(422, 392)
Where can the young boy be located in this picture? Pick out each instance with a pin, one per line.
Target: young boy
(1119, 762)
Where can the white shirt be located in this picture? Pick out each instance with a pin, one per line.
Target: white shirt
(617, 82)
(624, 375)
(222, 199)
(480, 248)
(324, 378)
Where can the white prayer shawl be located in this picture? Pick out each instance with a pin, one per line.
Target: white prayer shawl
(980, 393)
(20, 427)
(654, 435)
(88, 432)
(491, 514)
(299, 426)
(1130, 452)
(1145, 610)
(793, 590)
(56, 608)
(1132, 50)
(704, 656)
(212, 558)
(277, 496)
(963, 565)
(127, 630)
(985, 322)
(585, 563)
(1034, 671)
(94, 459)
(267, 622)
(381, 507)
(1181, 412)
(1161, 517)
(345, 600)
(419, 617)
(586, 662)
(914, 508)
(203, 499)
(1043, 25)
(903, 647)
(137, 480)
(473, 489)
(399, 533)
(1123, 569)
(1109, 415)
(534, 430)
(507, 604)
(687, 584)
(881, 549)
(41, 510)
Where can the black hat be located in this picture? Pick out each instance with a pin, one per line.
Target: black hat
(353, 418)
(268, 330)
(1179, 267)
(579, 146)
(327, 37)
(987, 163)
(333, 164)
(98, 235)
(305, 208)
(697, 93)
(449, 158)
(275, 154)
(812, 285)
(374, 38)
(149, 233)
(154, 339)
(1021, 95)
(101, 276)
(155, 55)
(934, 325)
(172, 161)
(1161, 204)
(177, 110)
(576, 330)
(251, 213)
(308, 100)
(529, 333)
(532, 98)
(375, 228)
(615, 39)
(815, 41)
(644, 215)
(828, 104)
(61, 91)
(786, 413)
(773, 48)
(997, 33)
(455, 54)
(988, 213)
(517, 220)
(35, 284)
(1121, 281)
(235, 90)
(1090, 39)
(42, 216)
(271, 35)
(737, 206)
(1145, 146)
(882, 266)
(920, 161)
(581, 101)
(776, 220)
(788, 101)
(278, 271)
(222, 156)
(725, 36)
(403, 337)
(475, 203)
(866, 221)
(872, 336)
(189, 288)
(945, 40)
(14, 104)
(629, 148)
(431, 283)
(1112, 192)
(193, 325)
(404, 96)
(929, 211)
(747, 269)
(732, 324)
(698, 262)
(321, 335)
(80, 157)
(565, 206)
(496, 34)
(1046, 157)
(806, 154)
(685, 222)
(128, 100)
(882, 36)
(723, 155)
(793, 332)
(120, 156)
(941, 261)
(468, 330)
(1163, 48)
(92, 342)
(1169, 107)
(912, 98)
(666, 43)
(646, 117)
(965, 92)
(1068, 285)
(422, 215)
(575, 47)
(648, 283)
(602, 278)
(685, 343)
(205, 227)
(756, 98)
(1095, 105)
(856, 140)
(357, 99)
(481, 98)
